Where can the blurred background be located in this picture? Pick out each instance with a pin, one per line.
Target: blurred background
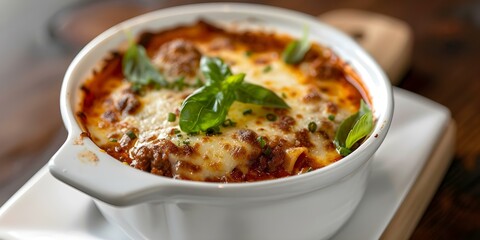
(40, 38)
(38, 41)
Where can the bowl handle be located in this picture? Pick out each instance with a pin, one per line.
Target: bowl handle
(82, 165)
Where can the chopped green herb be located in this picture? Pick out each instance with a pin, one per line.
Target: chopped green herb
(113, 140)
(331, 117)
(296, 50)
(229, 123)
(186, 142)
(247, 112)
(284, 95)
(248, 53)
(136, 88)
(261, 141)
(178, 84)
(267, 151)
(263, 144)
(353, 129)
(267, 69)
(213, 131)
(176, 131)
(172, 117)
(312, 127)
(131, 134)
(271, 117)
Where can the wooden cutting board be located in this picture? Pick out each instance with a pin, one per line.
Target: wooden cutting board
(389, 41)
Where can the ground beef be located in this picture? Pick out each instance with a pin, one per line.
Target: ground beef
(155, 158)
(302, 138)
(247, 135)
(127, 103)
(178, 58)
(325, 69)
(313, 95)
(285, 123)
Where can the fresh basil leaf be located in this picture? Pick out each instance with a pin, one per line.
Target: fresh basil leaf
(342, 133)
(296, 50)
(204, 109)
(138, 69)
(362, 128)
(207, 108)
(344, 151)
(251, 93)
(214, 69)
(353, 129)
(231, 83)
(289, 51)
(363, 108)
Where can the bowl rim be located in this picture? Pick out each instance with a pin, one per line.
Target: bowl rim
(372, 142)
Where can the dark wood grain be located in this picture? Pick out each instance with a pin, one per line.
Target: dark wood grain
(445, 68)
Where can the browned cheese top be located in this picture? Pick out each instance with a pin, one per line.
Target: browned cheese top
(264, 143)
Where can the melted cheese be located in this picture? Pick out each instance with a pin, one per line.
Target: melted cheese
(215, 158)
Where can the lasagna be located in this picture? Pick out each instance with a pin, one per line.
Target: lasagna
(139, 124)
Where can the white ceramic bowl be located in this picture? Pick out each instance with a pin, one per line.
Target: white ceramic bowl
(309, 206)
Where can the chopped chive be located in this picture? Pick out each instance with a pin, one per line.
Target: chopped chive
(172, 117)
(284, 95)
(213, 131)
(331, 117)
(136, 87)
(247, 112)
(267, 69)
(112, 140)
(198, 83)
(261, 141)
(267, 151)
(186, 142)
(271, 117)
(131, 134)
(176, 131)
(312, 127)
(248, 53)
(229, 123)
(179, 135)
(178, 84)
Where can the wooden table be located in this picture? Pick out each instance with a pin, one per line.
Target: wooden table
(445, 68)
